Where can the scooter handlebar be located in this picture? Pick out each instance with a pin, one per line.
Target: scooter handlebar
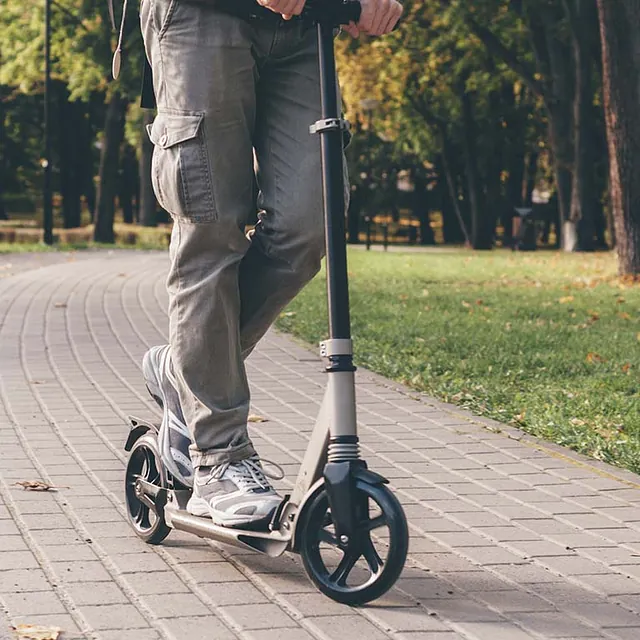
(336, 12)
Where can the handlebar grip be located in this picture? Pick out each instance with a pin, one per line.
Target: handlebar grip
(352, 11)
(336, 12)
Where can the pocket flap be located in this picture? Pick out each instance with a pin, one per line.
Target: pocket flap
(168, 130)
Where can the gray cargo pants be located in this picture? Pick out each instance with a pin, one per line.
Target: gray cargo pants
(232, 96)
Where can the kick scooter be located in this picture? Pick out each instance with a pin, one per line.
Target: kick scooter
(347, 526)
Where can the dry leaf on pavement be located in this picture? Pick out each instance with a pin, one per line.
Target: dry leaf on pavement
(37, 485)
(36, 632)
(256, 418)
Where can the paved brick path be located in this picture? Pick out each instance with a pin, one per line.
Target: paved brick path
(511, 538)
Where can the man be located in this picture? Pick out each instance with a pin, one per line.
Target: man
(236, 95)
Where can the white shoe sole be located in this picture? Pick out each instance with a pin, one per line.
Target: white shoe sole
(200, 507)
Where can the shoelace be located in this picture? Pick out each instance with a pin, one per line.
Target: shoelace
(248, 473)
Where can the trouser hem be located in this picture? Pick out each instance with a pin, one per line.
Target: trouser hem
(213, 457)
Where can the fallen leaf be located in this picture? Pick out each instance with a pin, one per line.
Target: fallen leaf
(566, 299)
(37, 485)
(594, 357)
(479, 302)
(624, 315)
(36, 632)
(465, 304)
(594, 315)
(256, 418)
(403, 296)
(626, 367)
(425, 292)
(620, 300)
(577, 422)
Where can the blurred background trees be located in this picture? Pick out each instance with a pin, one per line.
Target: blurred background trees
(475, 123)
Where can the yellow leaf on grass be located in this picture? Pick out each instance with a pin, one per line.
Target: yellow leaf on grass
(256, 418)
(577, 422)
(465, 304)
(36, 632)
(624, 315)
(594, 315)
(626, 367)
(566, 299)
(594, 357)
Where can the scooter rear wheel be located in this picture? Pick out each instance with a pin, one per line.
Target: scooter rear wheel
(364, 567)
(145, 463)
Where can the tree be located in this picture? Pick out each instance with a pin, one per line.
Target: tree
(620, 36)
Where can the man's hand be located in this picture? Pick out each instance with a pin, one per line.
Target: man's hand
(288, 8)
(376, 18)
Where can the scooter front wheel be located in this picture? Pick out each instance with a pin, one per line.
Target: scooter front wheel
(359, 569)
(146, 515)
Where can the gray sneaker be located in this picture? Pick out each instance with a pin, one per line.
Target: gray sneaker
(174, 438)
(234, 494)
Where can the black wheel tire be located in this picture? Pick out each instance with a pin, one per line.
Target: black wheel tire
(316, 519)
(145, 462)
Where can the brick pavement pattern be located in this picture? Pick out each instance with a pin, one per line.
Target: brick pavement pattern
(512, 538)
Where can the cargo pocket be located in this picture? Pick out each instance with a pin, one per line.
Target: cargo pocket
(180, 172)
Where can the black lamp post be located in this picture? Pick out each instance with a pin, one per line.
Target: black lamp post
(46, 161)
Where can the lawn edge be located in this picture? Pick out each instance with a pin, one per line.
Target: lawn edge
(603, 469)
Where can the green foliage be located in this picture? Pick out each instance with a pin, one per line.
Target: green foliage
(547, 342)
(82, 42)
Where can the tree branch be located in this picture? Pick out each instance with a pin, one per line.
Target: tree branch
(496, 47)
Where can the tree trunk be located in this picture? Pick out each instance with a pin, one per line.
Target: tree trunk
(480, 229)
(108, 180)
(69, 143)
(620, 30)
(583, 196)
(353, 215)
(420, 209)
(147, 197)
(453, 233)
(128, 181)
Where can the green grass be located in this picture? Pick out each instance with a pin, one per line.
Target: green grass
(548, 342)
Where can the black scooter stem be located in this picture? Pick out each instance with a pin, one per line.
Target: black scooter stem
(333, 190)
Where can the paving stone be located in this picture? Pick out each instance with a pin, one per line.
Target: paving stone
(201, 627)
(513, 600)
(95, 593)
(61, 620)
(113, 616)
(349, 626)
(407, 619)
(44, 602)
(554, 625)
(258, 616)
(133, 634)
(229, 593)
(494, 631)
(18, 580)
(278, 634)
